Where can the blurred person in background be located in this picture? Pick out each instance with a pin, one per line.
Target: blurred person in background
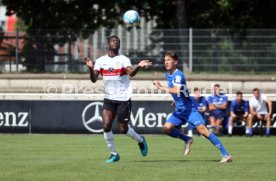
(238, 111)
(260, 110)
(217, 108)
(201, 104)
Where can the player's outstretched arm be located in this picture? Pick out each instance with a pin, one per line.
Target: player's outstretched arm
(173, 90)
(93, 74)
(132, 71)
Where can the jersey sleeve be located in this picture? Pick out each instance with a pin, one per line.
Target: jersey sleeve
(225, 99)
(246, 107)
(232, 106)
(178, 81)
(127, 62)
(97, 66)
(210, 100)
(264, 97)
(204, 101)
(251, 102)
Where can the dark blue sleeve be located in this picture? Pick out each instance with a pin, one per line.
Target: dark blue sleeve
(246, 106)
(232, 106)
(204, 101)
(210, 101)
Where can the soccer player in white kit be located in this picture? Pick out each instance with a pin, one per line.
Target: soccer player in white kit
(258, 105)
(115, 69)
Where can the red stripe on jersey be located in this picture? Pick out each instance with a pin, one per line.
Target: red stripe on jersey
(115, 72)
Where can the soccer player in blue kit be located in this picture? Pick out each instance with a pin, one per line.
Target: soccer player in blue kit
(185, 109)
(238, 111)
(217, 108)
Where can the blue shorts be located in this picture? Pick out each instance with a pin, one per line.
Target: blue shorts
(194, 119)
(219, 115)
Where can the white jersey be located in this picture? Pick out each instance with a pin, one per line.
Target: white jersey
(259, 105)
(116, 81)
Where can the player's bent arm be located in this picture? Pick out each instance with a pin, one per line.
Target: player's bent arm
(93, 75)
(269, 103)
(212, 107)
(232, 114)
(252, 111)
(132, 71)
(203, 110)
(223, 106)
(173, 90)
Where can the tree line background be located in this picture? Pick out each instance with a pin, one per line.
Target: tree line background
(44, 20)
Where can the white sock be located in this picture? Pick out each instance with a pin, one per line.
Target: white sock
(131, 133)
(190, 133)
(109, 140)
(230, 129)
(246, 130)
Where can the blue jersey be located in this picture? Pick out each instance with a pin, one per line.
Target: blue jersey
(185, 107)
(239, 108)
(200, 103)
(183, 101)
(218, 100)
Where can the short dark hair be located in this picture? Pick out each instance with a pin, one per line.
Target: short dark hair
(239, 93)
(216, 85)
(256, 89)
(112, 36)
(172, 55)
(196, 89)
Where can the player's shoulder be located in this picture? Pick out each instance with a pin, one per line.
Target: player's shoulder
(178, 72)
(234, 102)
(104, 57)
(211, 96)
(202, 98)
(123, 57)
(224, 96)
(252, 99)
(264, 97)
(178, 75)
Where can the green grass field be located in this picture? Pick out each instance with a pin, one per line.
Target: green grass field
(81, 157)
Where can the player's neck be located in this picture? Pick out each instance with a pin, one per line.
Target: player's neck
(172, 71)
(112, 53)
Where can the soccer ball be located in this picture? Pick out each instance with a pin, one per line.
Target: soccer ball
(131, 17)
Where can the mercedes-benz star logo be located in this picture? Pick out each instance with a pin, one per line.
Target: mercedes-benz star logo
(88, 120)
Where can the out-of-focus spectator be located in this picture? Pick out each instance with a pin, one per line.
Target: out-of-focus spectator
(260, 110)
(238, 111)
(201, 104)
(217, 108)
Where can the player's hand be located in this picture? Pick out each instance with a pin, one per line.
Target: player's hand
(234, 115)
(144, 63)
(88, 62)
(157, 84)
(259, 116)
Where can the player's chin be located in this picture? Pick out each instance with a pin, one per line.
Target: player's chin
(115, 48)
